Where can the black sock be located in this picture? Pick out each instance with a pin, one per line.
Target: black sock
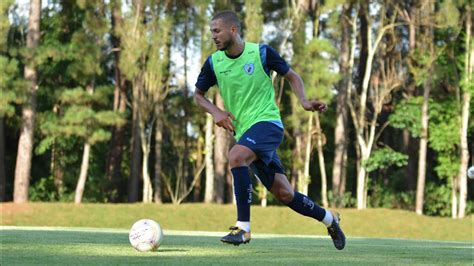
(243, 192)
(305, 206)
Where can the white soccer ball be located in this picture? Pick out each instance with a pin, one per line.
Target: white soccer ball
(145, 235)
(470, 172)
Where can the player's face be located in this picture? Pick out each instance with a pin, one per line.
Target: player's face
(221, 34)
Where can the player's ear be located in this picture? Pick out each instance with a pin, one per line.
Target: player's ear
(234, 29)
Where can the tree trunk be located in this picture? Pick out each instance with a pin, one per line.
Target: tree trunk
(81, 182)
(158, 197)
(340, 134)
(26, 142)
(159, 110)
(361, 125)
(468, 67)
(307, 155)
(147, 188)
(365, 43)
(298, 174)
(361, 175)
(185, 158)
(3, 176)
(427, 9)
(136, 157)
(145, 139)
(114, 157)
(454, 197)
(221, 149)
(210, 186)
(322, 165)
(200, 161)
(57, 169)
(410, 143)
(420, 188)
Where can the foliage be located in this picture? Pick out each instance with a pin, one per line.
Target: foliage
(76, 57)
(384, 158)
(11, 85)
(346, 201)
(385, 197)
(43, 190)
(253, 20)
(443, 137)
(78, 118)
(407, 115)
(316, 72)
(439, 199)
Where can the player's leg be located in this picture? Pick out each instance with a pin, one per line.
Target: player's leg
(274, 179)
(302, 204)
(240, 157)
(258, 143)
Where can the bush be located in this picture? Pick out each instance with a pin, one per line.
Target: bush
(346, 201)
(43, 190)
(382, 197)
(437, 200)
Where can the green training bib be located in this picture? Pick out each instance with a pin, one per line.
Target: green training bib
(246, 89)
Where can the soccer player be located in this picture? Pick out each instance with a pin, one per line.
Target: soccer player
(242, 72)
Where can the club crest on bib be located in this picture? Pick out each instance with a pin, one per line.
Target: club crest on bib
(249, 68)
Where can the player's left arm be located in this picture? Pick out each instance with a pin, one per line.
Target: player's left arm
(298, 88)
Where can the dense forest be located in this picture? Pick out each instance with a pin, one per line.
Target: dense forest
(96, 101)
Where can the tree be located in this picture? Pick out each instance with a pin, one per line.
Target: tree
(210, 191)
(365, 119)
(25, 144)
(298, 116)
(143, 63)
(409, 14)
(339, 171)
(160, 108)
(467, 91)
(222, 145)
(114, 156)
(319, 81)
(10, 89)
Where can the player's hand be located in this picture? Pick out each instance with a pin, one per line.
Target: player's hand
(224, 119)
(313, 105)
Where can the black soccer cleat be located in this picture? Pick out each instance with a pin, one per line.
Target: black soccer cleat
(236, 236)
(335, 231)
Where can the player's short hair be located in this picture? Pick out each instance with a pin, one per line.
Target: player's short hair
(229, 17)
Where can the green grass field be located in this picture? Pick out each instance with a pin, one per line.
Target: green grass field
(91, 234)
(79, 246)
(381, 223)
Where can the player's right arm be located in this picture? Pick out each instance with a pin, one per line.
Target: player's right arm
(221, 118)
(207, 79)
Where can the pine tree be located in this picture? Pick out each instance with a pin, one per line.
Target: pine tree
(143, 63)
(25, 144)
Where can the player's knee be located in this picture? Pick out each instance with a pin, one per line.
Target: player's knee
(237, 159)
(284, 195)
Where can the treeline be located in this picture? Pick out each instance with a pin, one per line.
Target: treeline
(96, 101)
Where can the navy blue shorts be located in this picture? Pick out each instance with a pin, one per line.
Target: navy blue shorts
(263, 139)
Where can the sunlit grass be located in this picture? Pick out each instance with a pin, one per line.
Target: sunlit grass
(24, 246)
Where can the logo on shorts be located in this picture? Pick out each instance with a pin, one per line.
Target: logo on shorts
(251, 140)
(249, 68)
